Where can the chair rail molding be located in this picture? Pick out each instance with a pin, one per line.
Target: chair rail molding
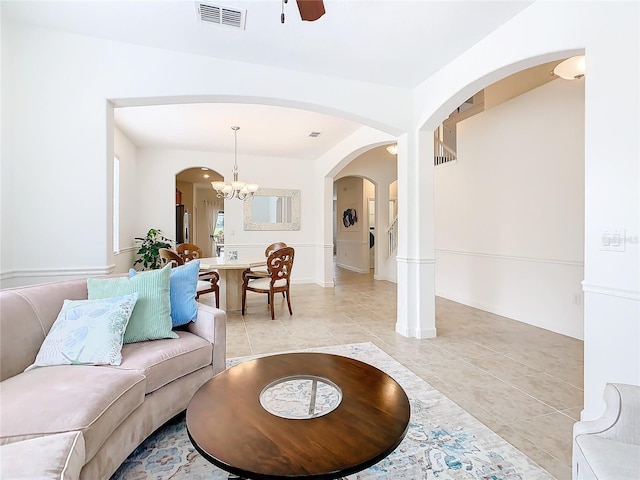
(610, 291)
(512, 257)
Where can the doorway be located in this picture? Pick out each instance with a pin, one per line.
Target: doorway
(198, 210)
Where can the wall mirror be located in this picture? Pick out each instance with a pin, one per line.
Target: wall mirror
(272, 209)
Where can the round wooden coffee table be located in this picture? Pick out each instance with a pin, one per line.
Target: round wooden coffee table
(329, 416)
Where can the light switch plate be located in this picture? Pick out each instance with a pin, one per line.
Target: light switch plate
(613, 240)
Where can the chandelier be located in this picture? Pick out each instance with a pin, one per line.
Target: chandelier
(235, 189)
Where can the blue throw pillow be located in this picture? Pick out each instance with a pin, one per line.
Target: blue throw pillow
(183, 283)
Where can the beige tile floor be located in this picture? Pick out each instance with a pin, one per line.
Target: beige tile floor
(523, 382)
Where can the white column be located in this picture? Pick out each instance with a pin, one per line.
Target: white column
(324, 234)
(381, 238)
(416, 260)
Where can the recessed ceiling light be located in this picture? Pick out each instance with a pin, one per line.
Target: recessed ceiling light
(206, 175)
(314, 134)
(204, 168)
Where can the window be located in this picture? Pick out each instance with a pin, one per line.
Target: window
(116, 205)
(218, 230)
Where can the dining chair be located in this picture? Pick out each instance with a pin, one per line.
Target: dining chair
(189, 251)
(279, 266)
(268, 251)
(169, 256)
(207, 280)
(207, 283)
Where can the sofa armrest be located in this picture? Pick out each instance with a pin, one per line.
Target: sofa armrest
(211, 324)
(620, 418)
(608, 447)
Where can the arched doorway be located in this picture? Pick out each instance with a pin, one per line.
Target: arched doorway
(199, 213)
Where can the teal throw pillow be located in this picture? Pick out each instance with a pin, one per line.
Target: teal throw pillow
(182, 293)
(151, 318)
(87, 332)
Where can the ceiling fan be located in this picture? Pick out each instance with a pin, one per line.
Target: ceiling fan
(310, 10)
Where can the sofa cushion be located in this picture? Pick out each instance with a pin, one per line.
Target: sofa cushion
(90, 399)
(151, 317)
(87, 332)
(608, 459)
(163, 361)
(53, 457)
(182, 292)
(265, 283)
(37, 307)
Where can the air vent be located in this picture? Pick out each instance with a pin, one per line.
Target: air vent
(314, 134)
(231, 17)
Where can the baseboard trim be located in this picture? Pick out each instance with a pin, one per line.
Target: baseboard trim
(385, 278)
(353, 269)
(497, 310)
(419, 334)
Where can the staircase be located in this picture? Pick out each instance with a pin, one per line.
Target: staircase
(392, 236)
(442, 153)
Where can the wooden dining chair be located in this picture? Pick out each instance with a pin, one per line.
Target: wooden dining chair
(268, 251)
(189, 251)
(208, 283)
(207, 280)
(169, 256)
(279, 266)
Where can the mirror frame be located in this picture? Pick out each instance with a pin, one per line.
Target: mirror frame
(294, 195)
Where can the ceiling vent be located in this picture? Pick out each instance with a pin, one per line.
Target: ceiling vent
(314, 134)
(231, 17)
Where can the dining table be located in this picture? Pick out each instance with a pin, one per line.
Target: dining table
(230, 271)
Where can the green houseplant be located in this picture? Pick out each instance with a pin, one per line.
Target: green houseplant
(149, 249)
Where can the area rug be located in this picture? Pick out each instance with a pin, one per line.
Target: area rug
(443, 442)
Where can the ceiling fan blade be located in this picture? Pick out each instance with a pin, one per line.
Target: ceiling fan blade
(310, 10)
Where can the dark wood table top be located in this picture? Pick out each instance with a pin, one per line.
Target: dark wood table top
(229, 427)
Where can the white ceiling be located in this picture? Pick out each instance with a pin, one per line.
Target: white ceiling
(396, 43)
(264, 130)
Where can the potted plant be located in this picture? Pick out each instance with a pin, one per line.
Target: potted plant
(149, 249)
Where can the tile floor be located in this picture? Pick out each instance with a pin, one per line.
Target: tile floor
(523, 382)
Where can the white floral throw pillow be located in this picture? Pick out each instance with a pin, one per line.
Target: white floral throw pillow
(87, 332)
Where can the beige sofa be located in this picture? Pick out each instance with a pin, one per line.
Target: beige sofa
(79, 421)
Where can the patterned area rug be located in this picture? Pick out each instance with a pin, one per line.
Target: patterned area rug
(443, 442)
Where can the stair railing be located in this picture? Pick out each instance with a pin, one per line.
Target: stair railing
(392, 235)
(442, 153)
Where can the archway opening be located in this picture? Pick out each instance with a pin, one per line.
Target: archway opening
(199, 212)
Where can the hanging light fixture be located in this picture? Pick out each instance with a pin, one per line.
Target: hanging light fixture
(393, 149)
(235, 189)
(571, 69)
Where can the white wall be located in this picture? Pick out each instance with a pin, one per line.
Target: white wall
(380, 167)
(156, 206)
(60, 89)
(126, 152)
(351, 245)
(56, 90)
(608, 33)
(327, 168)
(510, 211)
